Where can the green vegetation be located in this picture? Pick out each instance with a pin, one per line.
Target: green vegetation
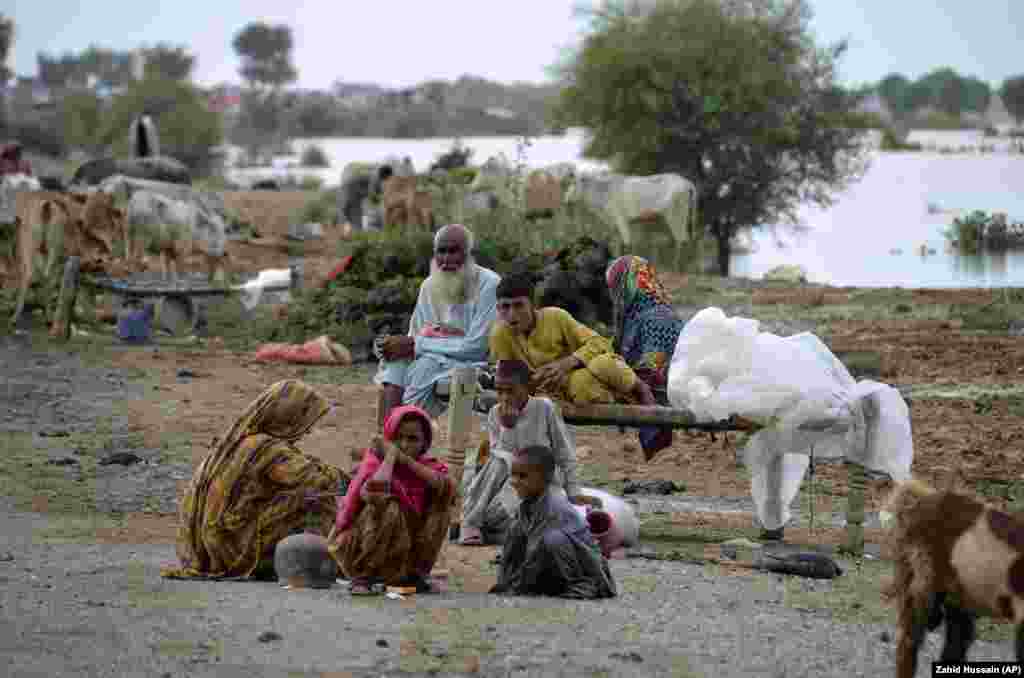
(756, 131)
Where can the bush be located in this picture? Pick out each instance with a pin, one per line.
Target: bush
(891, 142)
(311, 183)
(314, 156)
(35, 137)
(321, 210)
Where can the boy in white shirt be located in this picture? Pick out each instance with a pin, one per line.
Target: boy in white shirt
(516, 422)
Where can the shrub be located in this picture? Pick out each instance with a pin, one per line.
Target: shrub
(321, 210)
(314, 156)
(891, 142)
(311, 183)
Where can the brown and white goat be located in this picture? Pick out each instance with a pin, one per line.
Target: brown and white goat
(956, 559)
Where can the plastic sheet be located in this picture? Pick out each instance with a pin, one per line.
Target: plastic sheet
(803, 395)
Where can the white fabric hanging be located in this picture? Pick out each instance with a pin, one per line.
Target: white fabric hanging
(800, 392)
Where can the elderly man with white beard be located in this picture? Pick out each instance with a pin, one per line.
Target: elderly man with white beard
(449, 327)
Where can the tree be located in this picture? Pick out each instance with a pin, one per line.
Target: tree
(1012, 94)
(168, 62)
(6, 40)
(894, 90)
(188, 129)
(977, 96)
(732, 94)
(266, 53)
(81, 121)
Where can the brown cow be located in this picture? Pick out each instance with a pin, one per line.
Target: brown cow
(543, 194)
(404, 204)
(52, 226)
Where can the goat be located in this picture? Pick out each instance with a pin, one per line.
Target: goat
(955, 559)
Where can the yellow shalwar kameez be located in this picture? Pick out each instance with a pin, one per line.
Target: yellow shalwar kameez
(604, 378)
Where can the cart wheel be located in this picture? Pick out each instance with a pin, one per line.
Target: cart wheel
(176, 314)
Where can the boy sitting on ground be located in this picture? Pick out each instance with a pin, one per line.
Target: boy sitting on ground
(549, 549)
(515, 422)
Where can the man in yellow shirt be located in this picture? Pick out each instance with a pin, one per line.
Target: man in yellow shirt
(570, 361)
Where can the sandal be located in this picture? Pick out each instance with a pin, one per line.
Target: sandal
(471, 536)
(362, 586)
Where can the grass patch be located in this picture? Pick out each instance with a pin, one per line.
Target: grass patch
(454, 639)
(71, 529)
(1011, 491)
(854, 598)
(35, 485)
(141, 594)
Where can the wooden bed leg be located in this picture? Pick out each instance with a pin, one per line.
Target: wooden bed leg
(460, 419)
(65, 312)
(856, 481)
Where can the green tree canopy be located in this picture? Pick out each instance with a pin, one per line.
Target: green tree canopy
(168, 62)
(187, 128)
(266, 53)
(732, 94)
(6, 40)
(1012, 94)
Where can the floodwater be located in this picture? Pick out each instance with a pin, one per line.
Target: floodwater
(886, 230)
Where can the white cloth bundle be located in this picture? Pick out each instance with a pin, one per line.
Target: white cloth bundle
(800, 392)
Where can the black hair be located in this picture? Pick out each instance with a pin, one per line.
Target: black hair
(515, 285)
(514, 370)
(538, 455)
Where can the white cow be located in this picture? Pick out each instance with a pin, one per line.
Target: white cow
(174, 228)
(626, 199)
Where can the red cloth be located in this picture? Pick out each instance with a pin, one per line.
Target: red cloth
(339, 269)
(441, 331)
(318, 351)
(412, 491)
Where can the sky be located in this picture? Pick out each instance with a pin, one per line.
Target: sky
(399, 43)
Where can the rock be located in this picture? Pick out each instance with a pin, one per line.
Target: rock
(302, 561)
(627, 656)
(301, 232)
(185, 373)
(122, 458)
(265, 185)
(269, 636)
(63, 461)
(651, 487)
(382, 643)
(6, 557)
(54, 434)
(885, 637)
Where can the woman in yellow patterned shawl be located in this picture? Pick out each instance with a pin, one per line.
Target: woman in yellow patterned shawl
(255, 488)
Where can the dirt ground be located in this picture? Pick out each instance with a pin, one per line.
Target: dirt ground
(967, 408)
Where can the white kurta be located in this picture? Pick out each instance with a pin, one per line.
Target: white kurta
(437, 356)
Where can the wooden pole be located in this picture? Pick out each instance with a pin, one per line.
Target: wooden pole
(66, 301)
(460, 419)
(647, 415)
(856, 481)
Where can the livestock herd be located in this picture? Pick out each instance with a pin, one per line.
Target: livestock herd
(405, 198)
(161, 218)
(115, 215)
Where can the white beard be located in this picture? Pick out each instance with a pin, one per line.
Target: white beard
(448, 288)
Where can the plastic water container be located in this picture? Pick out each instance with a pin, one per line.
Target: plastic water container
(135, 322)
